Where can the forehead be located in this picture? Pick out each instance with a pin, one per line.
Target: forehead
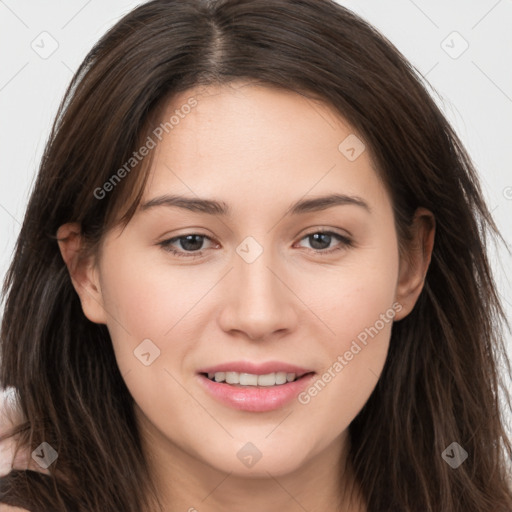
(257, 141)
(244, 120)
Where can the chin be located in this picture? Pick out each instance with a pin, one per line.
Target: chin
(258, 459)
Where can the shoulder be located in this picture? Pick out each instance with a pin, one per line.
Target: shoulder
(11, 416)
(8, 419)
(8, 508)
(9, 411)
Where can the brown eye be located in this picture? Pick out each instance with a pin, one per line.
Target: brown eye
(320, 241)
(185, 245)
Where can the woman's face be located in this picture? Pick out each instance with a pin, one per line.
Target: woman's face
(254, 292)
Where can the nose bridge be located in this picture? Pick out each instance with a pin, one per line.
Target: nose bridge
(260, 303)
(256, 281)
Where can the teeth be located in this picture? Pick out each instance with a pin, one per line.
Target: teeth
(281, 377)
(249, 379)
(220, 377)
(267, 380)
(232, 378)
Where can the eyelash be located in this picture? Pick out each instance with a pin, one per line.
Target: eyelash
(166, 244)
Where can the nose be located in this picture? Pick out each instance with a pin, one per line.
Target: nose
(260, 302)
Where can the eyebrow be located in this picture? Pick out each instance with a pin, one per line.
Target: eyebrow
(212, 207)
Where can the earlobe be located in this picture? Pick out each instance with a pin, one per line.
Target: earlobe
(83, 272)
(414, 264)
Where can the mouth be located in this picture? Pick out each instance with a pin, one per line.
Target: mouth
(254, 388)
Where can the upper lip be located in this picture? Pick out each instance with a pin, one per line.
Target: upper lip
(256, 369)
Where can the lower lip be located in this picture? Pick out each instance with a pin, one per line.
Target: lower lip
(252, 398)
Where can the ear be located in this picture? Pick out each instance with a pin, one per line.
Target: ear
(83, 272)
(415, 261)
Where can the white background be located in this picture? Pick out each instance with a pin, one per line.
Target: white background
(475, 89)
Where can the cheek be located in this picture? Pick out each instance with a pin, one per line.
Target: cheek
(353, 297)
(147, 307)
(154, 301)
(358, 305)
(142, 303)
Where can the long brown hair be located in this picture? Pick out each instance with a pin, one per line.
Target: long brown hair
(440, 383)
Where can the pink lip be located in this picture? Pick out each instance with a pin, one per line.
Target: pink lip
(255, 398)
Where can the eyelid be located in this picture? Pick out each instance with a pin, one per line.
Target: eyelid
(327, 230)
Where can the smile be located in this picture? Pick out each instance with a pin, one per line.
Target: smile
(254, 388)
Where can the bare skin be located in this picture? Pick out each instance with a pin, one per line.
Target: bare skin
(258, 150)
